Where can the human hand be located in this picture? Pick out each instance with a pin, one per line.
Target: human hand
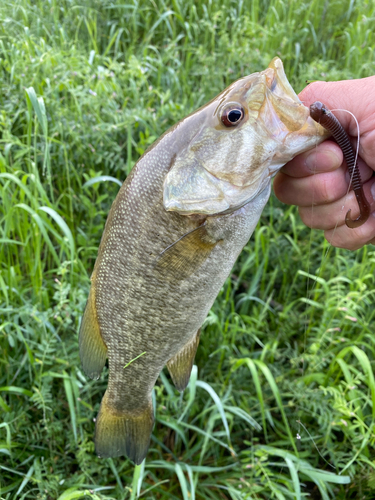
(317, 181)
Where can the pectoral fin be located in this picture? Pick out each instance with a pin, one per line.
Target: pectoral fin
(181, 259)
(92, 349)
(181, 364)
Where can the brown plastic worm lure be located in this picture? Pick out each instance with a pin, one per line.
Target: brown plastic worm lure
(321, 114)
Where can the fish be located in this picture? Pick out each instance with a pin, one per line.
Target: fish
(174, 231)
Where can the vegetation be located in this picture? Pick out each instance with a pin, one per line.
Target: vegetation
(281, 403)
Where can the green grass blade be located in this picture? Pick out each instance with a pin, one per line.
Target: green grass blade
(218, 403)
(70, 398)
(184, 488)
(295, 478)
(64, 228)
(137, 480)
(101, 178)
(25, 480)
(270, 379)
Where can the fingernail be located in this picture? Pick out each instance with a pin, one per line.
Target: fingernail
(322, 161)
(373, 191)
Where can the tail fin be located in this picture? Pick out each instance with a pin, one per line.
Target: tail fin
(119, 433)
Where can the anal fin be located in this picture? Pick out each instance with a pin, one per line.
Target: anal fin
(92, 349)
(123, 433)
(181, 364)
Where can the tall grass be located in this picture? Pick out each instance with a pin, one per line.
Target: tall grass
(282, 401)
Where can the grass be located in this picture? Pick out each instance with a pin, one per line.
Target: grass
(282, 401)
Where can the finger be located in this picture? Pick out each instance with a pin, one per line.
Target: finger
(324, 158)
(352, 239)
(333, 214)
(319, 189)
(367, 147)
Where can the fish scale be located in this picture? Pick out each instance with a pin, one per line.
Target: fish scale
(166, 250)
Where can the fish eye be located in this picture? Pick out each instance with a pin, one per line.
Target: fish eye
(232, 115)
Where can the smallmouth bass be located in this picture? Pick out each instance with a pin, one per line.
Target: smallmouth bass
(175, 229)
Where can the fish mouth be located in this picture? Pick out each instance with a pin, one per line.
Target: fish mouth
(282, 111)
(286, 118)
(279, 83)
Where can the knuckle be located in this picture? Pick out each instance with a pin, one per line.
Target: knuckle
(334, 239)
(306, 216)
(325, 190)
(283, 189)
(342, 239)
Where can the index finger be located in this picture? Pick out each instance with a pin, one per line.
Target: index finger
(325, 157)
